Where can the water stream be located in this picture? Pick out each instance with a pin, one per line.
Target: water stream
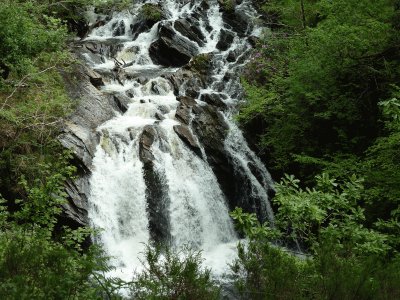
(186, 192)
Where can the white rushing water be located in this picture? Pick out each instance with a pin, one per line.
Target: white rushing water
(196, 207)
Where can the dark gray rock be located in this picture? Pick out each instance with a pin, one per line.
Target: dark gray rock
(159, 116)
(79, 135)
(95, 78)
(121, 103)
(118, 28)
(187, 137)
(214, 99)
(171, 49)
(187, 101)
(237, 20)
(253, 40)
(183, 114)
(157, 204)
(147, 138)
(190, 30)
(225, 40)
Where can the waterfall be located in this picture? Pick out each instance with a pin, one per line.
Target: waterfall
(172, 163)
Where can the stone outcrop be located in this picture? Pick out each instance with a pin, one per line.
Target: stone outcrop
(156, 188)
(190, 29)
(149, 15)
(236, 19)
(188, 138)
(79, 135)
(225, 40)
(171, 49)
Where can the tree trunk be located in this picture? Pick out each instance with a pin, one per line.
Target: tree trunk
(303, 15)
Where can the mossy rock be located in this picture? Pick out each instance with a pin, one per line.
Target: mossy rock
(200, 63)
(151, 12)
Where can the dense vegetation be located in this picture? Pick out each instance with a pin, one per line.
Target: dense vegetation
(323, 102)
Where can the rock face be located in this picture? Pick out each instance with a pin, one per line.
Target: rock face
(171, 49)
(225, 40)
(156, 192)
(79, 135)
(190, 29)
(149, 15)
(186, 135)
(236, 19)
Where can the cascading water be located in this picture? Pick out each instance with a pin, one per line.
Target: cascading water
(152, 178)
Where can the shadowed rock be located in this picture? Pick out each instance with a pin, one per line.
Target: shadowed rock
(187, 137)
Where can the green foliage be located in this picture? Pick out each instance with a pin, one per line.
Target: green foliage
(23, 37)
(316, 87)
(263, 271)
(151, 12)
(228, 5)
(37, 261)
(345, 259)
(200, 64)
(173, 275)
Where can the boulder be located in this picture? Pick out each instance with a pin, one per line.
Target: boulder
(118, 28)
(187, 137)
(237, 21)
(190, 30)
(121, 103)
(147, 138)
(225, 40)
(253, 40)
(95, 78)
(148, 15)
(187, 101)
(170, 49)
(214, 99)
(183, 114)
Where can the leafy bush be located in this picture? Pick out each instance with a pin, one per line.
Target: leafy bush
(37, 261)
(173, 275)
(343, 259)
(151, 12)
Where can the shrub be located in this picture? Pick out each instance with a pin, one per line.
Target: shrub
(173, 275)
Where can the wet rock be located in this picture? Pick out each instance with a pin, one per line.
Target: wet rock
(183, 114)
(210, 127)
(186, 79)
(78, 134)
(118, 28)
(95, 78)
(149, 135)
(171, 49)
(213, 99)
(157, 204)
(75, 212)
(92, 47)
(225, 40)
(149, 15)
(121, 103)
(237, 20)
(187, 137)
(253, 40)
(187, 101)
(147, 138)
(190, 30)
(163, 109)
(234, 55)
(159, 116)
